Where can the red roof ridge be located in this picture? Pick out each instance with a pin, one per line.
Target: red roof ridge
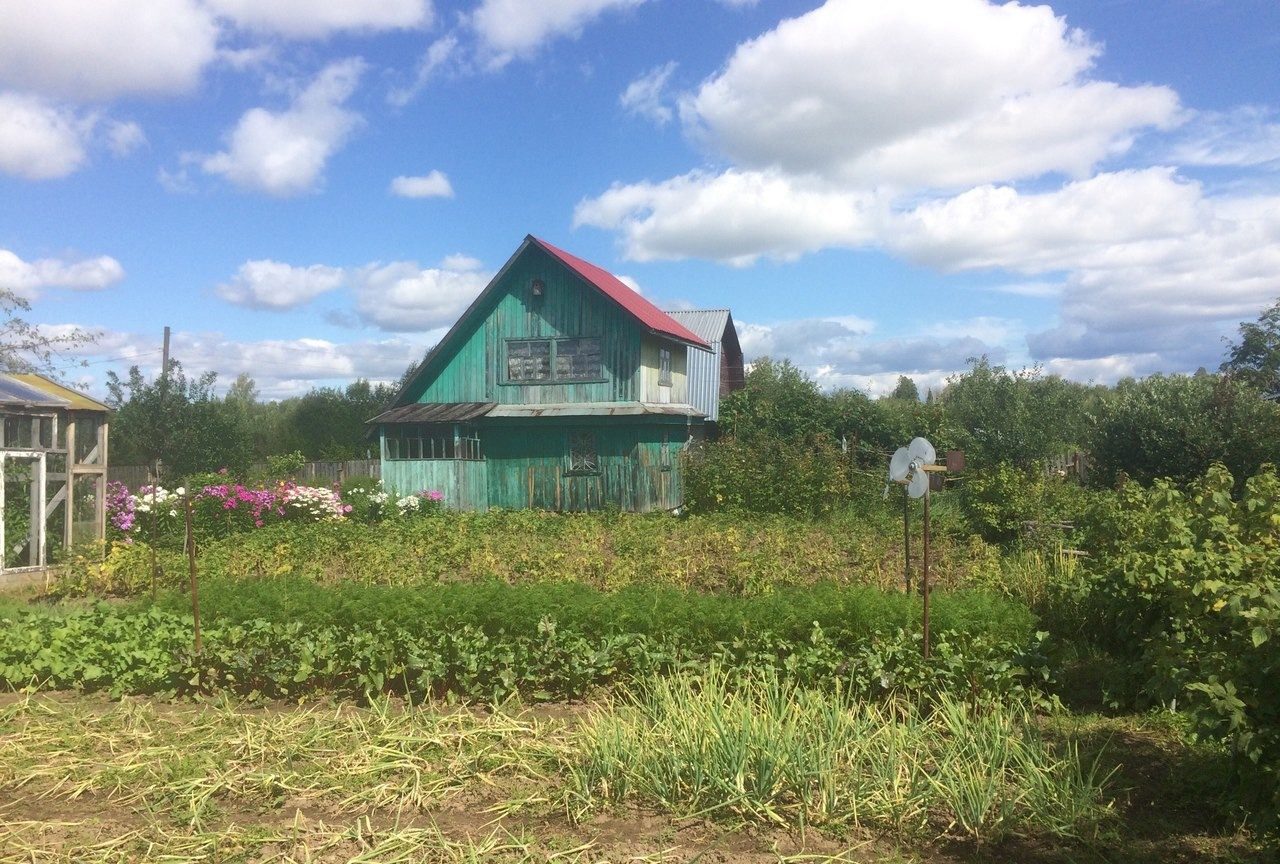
(628, 298)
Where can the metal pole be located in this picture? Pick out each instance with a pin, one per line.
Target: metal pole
(924, 575)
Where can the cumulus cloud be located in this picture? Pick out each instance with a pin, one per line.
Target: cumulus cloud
(40, 140)
(280, 367)
(106, 48)
(922, 92)
(646, 96)
(432, 185)
(28, 278)
(735, 217)
(516, 28)
(285, 153)
(306, 19)
(401, 296)
(269, 284)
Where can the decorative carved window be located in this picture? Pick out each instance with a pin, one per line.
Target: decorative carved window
(583, 458)
(664, 366)
(664, 455)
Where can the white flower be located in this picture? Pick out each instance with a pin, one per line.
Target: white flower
(180, 491)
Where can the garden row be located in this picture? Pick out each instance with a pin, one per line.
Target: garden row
(490, 641)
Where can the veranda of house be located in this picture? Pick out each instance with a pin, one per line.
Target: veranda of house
(53, 457)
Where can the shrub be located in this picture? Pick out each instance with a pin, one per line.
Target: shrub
(1187, 592)
(807, 477)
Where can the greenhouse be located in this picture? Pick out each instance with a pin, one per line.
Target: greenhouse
(53, 452)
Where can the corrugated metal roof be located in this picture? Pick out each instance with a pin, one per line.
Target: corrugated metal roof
(76, 400)
(14, 391)
(596, 409)
(613, 288)
(707, 323)
(435, 412)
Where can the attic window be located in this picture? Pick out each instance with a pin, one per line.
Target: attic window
(529, 360)
(578, 358)
(664, 367)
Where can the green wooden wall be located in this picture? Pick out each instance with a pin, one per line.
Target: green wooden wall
(528, 466)
(475, 369)
(463, 482)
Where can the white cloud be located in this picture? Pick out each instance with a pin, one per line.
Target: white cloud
(272, 285)
(280, 367)
(735, 217)
(105, 48)
(1246, 136)
(432, 185)
(920, 92)
(458, 261)
(306, 19)
(39, 140)
(125, 137)
(440, 52)
(285, 153)
(401, 296)
(29, 278)
(517, 28)
(646, 95)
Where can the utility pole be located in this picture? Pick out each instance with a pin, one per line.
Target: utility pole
(164, 362)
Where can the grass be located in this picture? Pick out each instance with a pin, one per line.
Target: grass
(687, 769)
(771, 752)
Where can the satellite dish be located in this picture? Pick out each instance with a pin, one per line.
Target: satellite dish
(899, 465)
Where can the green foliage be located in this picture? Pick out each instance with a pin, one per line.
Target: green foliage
(1177, 426)
(27, 347)
(722, 552)
(905, 389)
(282, 466)
(1004, 503)
(778, 402)
(768, 751)
(808, 477)
(489, 641)
(329, 423)
(1018, 417)
(1255, 359)
(1188, 595)
(175, 419)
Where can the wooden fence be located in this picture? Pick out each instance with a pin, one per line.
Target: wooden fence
(311, 474)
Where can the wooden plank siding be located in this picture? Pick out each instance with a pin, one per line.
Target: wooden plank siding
(476, 371)
(463, 482)
(529, 466)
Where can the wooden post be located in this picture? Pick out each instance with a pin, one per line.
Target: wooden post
(195, 591)
(924, 575)
(906, 539)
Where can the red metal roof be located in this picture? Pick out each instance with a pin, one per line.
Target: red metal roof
(617, 291)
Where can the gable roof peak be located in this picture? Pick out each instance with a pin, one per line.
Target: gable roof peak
(619, 292)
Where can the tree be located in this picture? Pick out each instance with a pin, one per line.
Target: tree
(1255, 359)
(25, 347)
(1017, 417)
(1177, 426)
(329, 423)
(906, 389)
(777, 401)
(176, 420)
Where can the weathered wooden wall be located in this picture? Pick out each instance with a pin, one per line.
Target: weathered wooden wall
(528, 466)
(463, 482)
(475, 369)
(311, 474)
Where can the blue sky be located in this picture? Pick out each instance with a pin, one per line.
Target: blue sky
(313, 192)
